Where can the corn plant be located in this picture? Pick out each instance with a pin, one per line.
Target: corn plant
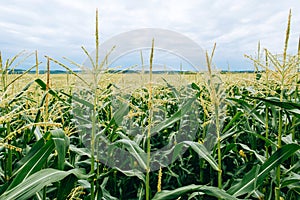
(240, 138)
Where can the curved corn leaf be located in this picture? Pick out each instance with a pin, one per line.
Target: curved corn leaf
(287, 105)
(176, 151)
(43, 86)
(32, 164)
(38, 155)
(36, 182)
(104, 193)
(259, 157)
(61, 144)
(19, 95)
(209, 190)
(293, 178)
(132, 172)
(65, 187)
(253, 180)
(79, 100)
(232, 121)
(136, 151)
(249, 108)
(174, 118)
(203, 153)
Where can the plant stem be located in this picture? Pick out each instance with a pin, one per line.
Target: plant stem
(149, 126)
(219, 147)
(46, 117)
(202, 161)
(216, 104)
(267, 108)
(280, 124)
(93, 147)
(294, 119)
(96, 73)
(9, 155)
(267, 131)
(47, 92)
(296, 97)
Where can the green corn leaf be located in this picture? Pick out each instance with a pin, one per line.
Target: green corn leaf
(20, 93)
(61, 145)
(196, 87)
(120, 113)
(132, 172)
(252, 180)
(174, 118)
(259, 157)
(134, 149)
(43, 86)
(80, 151)
(234, 119)
(250, 109)
(36, 182)
(292, 179)
(203, 153)
(268, 141)
(200, 149)
(65, 187)
(104, 193)
(37, 156)
(22, 168)
(32, 164)
(287, 105)
(211, 191)
(34, 149)
(174, 90)
(39, 113)
(79, 100)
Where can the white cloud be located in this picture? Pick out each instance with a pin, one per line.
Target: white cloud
(58, 28)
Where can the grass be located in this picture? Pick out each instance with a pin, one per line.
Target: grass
(226, 136)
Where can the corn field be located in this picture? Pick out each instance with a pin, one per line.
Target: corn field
(227, 136)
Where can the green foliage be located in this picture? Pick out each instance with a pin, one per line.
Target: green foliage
(224, 140)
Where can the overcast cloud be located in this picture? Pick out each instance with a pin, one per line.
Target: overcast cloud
(59, 28)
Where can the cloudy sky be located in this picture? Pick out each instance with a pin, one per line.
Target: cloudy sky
(58, 28)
